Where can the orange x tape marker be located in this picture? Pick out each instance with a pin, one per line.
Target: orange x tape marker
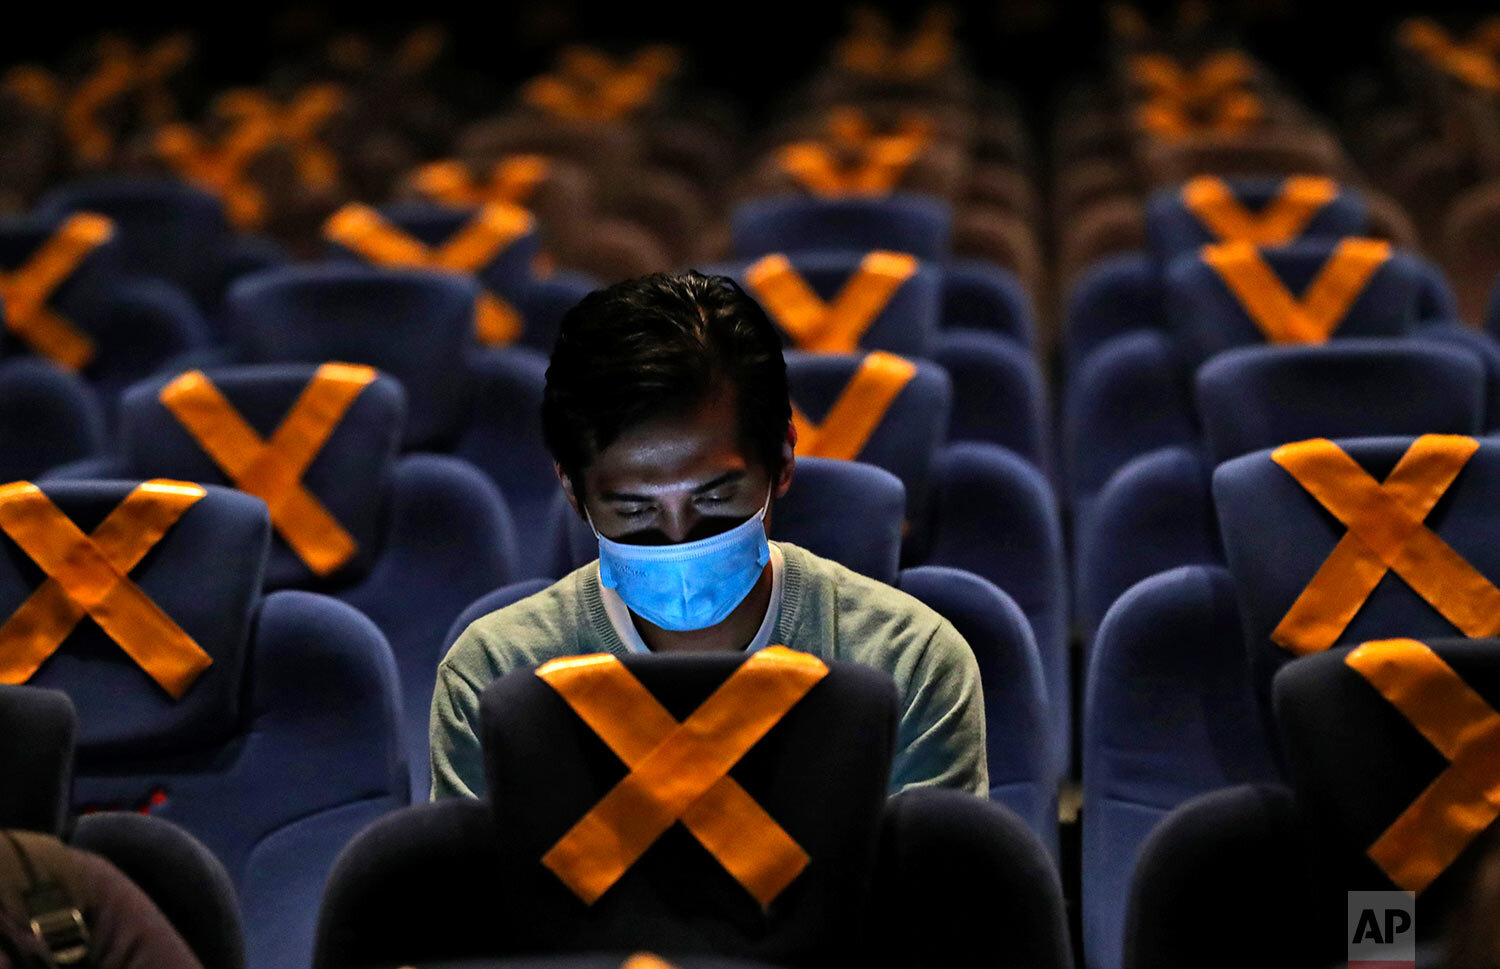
(513, 180)
(1465, 798)
(1299, 199)
(680, 771)
(1277, 313)
(222, 168)
(90, 575)
(1386, 533)
(834, 327)
(272, 470)
(877, 165)
(27, 289)
(857, 412)
(363, 230)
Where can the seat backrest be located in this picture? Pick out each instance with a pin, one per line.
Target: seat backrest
(1298, 595)
(848, 511)
(979, 295)
(1168, 715)
(37, 730)
(414, 326)
(1113, 297)
(914, 224)
(1233, 294)
(1267, 211)
(839, 302)
(48, 417)
(167, 228)
(204, 573)
(999, 394)
(506, 270)
(1257, 397)
(1360, 725)
(876, 408)
(190, 427)
(818, 774)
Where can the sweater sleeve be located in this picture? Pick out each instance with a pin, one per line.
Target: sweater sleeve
(453, 737)
(940, 741)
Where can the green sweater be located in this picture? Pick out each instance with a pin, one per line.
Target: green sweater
(826, 610)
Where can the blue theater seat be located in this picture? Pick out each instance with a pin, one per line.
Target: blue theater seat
(1168, 714)
(1286, 857)
(276, 754)
(1484, 347)
(430, 532)
(914, 224)
(819, 774)
(1113, 297)
(999, 394)
(978, 295)
(171, 231)
(137, 325)
(906, 324)
(1172, 227)
(48, 417)
(1277, 537)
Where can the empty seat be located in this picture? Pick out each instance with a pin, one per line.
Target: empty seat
(48, 417)
(999, 394)
(912, 224)
(979, 295)
(266, 725)
(1265, 211)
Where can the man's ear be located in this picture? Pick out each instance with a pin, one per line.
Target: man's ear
(567, 487)
(788, 460)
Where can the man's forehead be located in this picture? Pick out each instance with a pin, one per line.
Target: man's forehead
(679, 451)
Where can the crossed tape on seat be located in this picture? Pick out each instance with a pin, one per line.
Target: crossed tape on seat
(874, 52)
(1297, 202)
(1282, 317)
(120, 71)
(836, 327)
(679, 771)
(295, 124)
(222, 168)
(272, 470)
(492, 229)
(1386, 533)
(858, 411)
(876, 163)
(512, 180)
(90, 575)
(25, 291)
(1465, 798)
(1166, 77)
(1172, 119)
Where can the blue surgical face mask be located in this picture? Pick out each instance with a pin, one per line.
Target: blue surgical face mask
(692, 585)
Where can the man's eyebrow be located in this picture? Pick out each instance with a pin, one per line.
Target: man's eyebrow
(726, 478)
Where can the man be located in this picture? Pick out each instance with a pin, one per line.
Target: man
(666, 411)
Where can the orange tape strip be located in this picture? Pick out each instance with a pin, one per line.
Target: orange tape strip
(1282, 317)
(89, 575)
(881, 162)
(27, 289)
(363, 230)
(1386, 533)
(835, 327)
(1465, 798)
(513, 180)
(679, 771)
(857, 412)
(1299, 199)
(272, 470)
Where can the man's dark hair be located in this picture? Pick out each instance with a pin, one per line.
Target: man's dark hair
(656, 346)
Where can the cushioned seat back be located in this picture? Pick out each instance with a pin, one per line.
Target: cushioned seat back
(507, 270)
(980, 295)
(412, 325)
(37, 730)
(167, 228)
(847, 511)
(837, 302)
(47, 417)
(1257, 397)
(204, 574)
(1234, 294)
(1298, 595)
(82, 259)
(914, 224)
(819, 775)
(1267, 211)
(179, 427)
(1391, 746)
(1114, 296)
(877, 408)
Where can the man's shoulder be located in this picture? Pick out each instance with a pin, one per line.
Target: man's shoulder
(528, 632)
(864, 611)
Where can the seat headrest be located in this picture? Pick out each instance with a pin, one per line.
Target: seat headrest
(1257, 397)
(915, 224)
(47, 417)
(349, 476)
(37, 731)
(433, 225)
(848, 511)
(204, 574)
(1278, 536)
(1210, 316)
(414, 326)
(90, 280)
(1397, 729)
(1173, 226)
(819, 774)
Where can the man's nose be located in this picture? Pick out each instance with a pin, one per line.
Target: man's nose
(677, 523)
